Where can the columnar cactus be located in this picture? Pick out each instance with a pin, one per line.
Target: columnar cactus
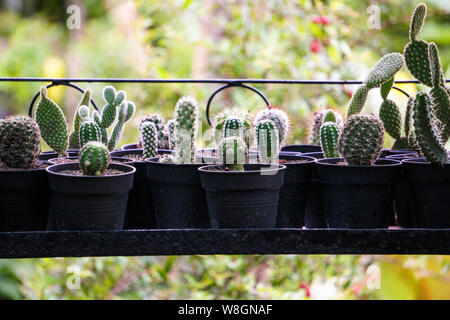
(233, 153)
(74, 140)
(279, 117)
(89, 130)
(319, 118)
(233, 113)
(427, 132)
(163, 140)
(361, 140)
(171, 133)
(233, 127)
(186, 111)
(126, 112)
(94, 158)
(20, 142)
(149, 136)
(52, 123)
(267, 140)
(329, 135)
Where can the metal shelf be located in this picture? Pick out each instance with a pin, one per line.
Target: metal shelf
(226, 241)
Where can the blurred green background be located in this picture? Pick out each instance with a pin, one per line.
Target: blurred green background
(273, 39)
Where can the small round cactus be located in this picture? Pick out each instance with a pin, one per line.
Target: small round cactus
(233, 127)
(266, 133)
(361, 140)
(232, 153)
(149, 136)
(94, 158)
(279, 117)
(20, 142)
(329, 135)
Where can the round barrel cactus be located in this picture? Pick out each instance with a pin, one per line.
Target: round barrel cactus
(94, 158)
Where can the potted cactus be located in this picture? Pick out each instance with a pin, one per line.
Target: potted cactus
(24, 193)
(91, 194)
(178, 198)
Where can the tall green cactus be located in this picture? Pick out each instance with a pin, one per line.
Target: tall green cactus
(325, 115)
(126, 112)
(171, 133)
(149, 136)
(361, 140)
(267, 140)
(329, 135)
(233, 153)
(233, 127)
(74, 139)
(52, 123)
(279, 117)
(94, 158)
(20, 142)
(186, 111)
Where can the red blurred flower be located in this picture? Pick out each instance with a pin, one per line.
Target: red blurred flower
(326, 20)
(321, 20)
(305, 287)
(315, 46)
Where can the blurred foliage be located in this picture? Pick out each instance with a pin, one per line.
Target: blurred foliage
(283, 39)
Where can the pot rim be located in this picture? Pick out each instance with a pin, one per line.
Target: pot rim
(153, 161)
(49, 169)
(204, 169)
(393, 163)
(19, 170)
(75, 157)
(421, 161)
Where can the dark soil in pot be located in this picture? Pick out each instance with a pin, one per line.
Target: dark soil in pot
(178, 198)
(302, 148)
(430, 186)
(245, 199)
(134, 146)
(293, 194)
(24, 199)
(208, 156)
(116, 160)
(357, 197)
(140, 212)
(89, 202)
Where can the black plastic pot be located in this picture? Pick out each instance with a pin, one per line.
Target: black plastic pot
(130, 146)
(89, 202)
(302, 148)
(315, 212)
(357, 197)
(430, 186)
(208, 156)
(24, 200)
(140, 212)
(44, 156)
(247, 199)
(293, 194)
(389, 152)
(178, 198)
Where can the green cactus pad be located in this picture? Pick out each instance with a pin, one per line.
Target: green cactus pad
(361, 139)
(232, 153)
(384, 70)
(427, 134)
(267, 140)
(126, 111)
(392, 118)
(89, 131)
(386, 88)
(417, 21)
(436, 72)
(408, 116)
(94, 159)
(109, 94)
(52, 123)
(20, 142)
(416, 58)
(329, 136)
(74, 142)
(357, 101)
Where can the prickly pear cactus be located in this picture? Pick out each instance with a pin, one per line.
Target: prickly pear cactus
(20, 142)
(279, 117)
(392, 118)
(318, 120)
(149, 135)
(186, 111)
(126, 112)
(267, 140)
(361, 140)
(329, 135)
(232, 153)
(233, 127)
(52, 123)
(384, 70)
(94, 159)
(113, 100)
(74, 140)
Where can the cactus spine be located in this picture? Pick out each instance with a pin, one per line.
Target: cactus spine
(361, 140)
(319, 118)
(233, 153)
(186, 111)
(74, 139)
(329, 135)
(52, 123)
(267, 140)
(279, 117)
(149, 135)
(20, 142)
(94, 158)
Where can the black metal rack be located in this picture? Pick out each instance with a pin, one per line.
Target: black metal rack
(218, 241)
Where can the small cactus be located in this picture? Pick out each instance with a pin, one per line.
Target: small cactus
(113, 100)
(74, 140)
(233, 153)
(20, 142)
(233, 127)
(329, 135)
(318, 119)
(94, 159)
(279, 117)
(171, 133)
(163, 139)
(266, 133)
(89, 130)
(52, 123)
(233, 113)
(126, 112)
(149, 136)
(361, 140)
(186, 111)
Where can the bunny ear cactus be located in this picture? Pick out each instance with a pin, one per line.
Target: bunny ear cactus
(52, 124)
(329, 135)
(20, 142)
(186, 111)
(279, 117)
(113, 100)
(233, 153)
(361, 140)
(326, 115)
(149, 135)
(74, 140)
(267, 140)
(233, 127)
(126, 112)
(416, 51)
(94, 159)
(97, 118)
